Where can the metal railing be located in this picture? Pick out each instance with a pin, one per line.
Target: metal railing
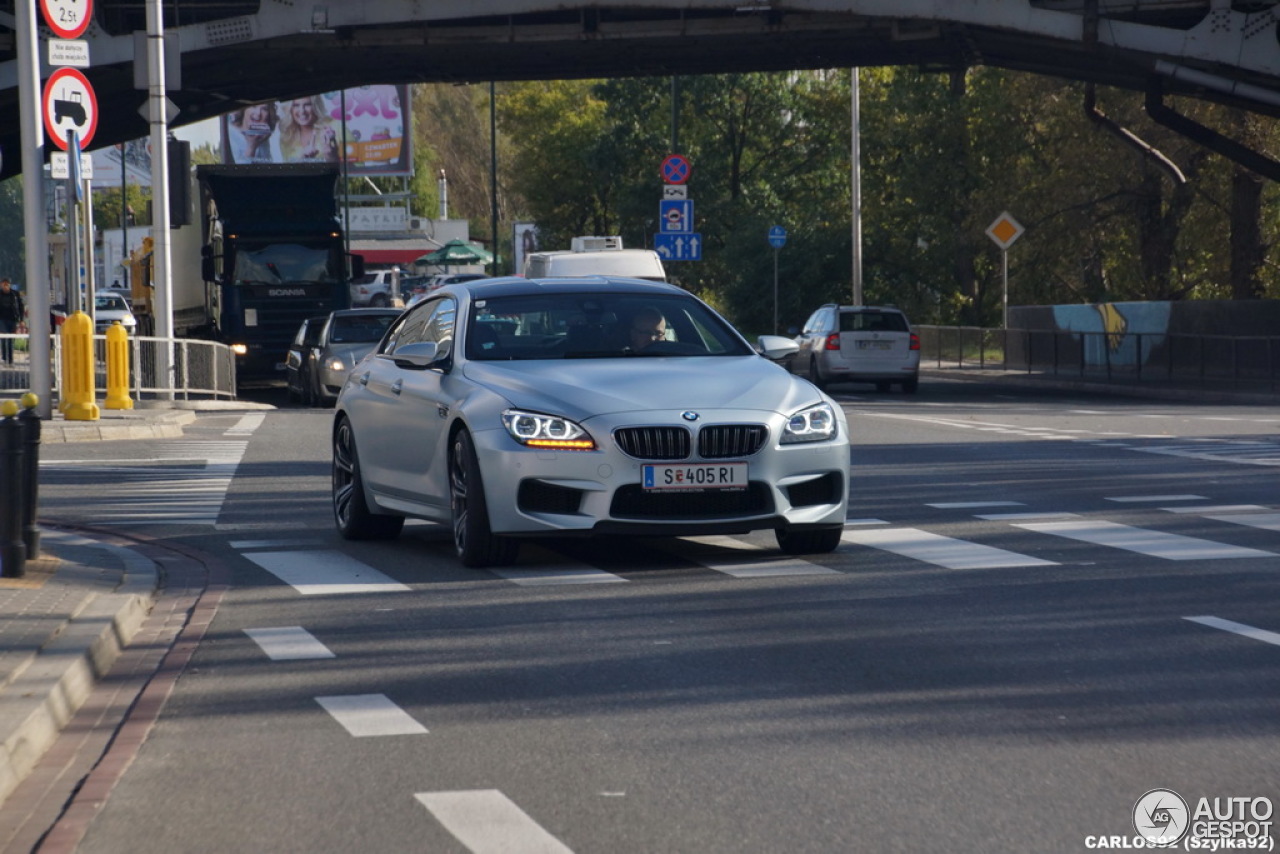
(1131, 357)
(201, 369)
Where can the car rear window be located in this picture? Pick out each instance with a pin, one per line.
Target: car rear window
(868, 321)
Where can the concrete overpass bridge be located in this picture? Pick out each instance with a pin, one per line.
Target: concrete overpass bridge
(234, 52)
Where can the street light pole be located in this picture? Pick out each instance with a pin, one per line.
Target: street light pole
(856, 170)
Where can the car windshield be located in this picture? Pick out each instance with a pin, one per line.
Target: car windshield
(359, 330)
(868, 321)
(597, 325)
(109, 302)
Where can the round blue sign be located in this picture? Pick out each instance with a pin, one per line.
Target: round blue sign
(777, 236)
(676, 169)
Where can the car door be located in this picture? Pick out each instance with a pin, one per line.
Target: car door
(809, 340)
(412, 406)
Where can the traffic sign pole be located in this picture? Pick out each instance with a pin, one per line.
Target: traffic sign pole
(777, 239)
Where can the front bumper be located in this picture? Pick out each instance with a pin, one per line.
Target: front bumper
(531, 492)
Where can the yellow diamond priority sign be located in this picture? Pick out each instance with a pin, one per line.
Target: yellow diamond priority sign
(1005, 230)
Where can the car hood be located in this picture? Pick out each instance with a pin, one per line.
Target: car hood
(581, 388)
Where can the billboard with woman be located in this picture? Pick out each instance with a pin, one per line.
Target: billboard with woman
(370, 124)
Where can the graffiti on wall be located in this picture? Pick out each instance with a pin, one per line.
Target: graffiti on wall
(1120, 325)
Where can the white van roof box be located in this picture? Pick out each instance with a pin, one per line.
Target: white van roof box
(595, 244)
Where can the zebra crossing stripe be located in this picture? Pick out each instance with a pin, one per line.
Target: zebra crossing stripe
(289, 643)
(544, 576)
(1142, 541)
(940, 551)
(1220, 508)
(367, 715)
(1266, 521)
(1237, 628)
(756, 562)
(323, 571)
(488, 822)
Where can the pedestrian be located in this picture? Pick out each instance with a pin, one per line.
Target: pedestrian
(12, 314)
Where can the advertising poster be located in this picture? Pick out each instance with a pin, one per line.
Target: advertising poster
(525, 240)
(371, 123)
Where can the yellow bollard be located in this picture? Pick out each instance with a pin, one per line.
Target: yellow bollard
(117, 368)
(77, 369)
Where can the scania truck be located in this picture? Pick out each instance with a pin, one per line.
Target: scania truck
(266, 253)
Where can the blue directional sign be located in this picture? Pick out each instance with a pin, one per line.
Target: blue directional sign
(777, 236)
(675, 216)
(679, 247)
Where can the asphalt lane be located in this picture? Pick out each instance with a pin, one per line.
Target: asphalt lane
(1000, 656)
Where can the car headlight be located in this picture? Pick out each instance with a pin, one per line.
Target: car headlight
(815, 424)
(335, 364)
(535, 430)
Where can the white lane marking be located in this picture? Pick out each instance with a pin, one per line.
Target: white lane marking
(1006, 517)
(1220, 508)
(1243, 453)
(366, 715)
(939, 550)
(289, 643)
(848, 523)
(1142, 541)
(1237, 628)
(757, 562)
(488, 822)
(270, 544)
(324, 571)
(1266, 521)
(548, 575)
(967, 505)
(1134, 499)
(247, 424)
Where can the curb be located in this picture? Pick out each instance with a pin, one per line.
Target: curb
(166, 424)
(56, 681)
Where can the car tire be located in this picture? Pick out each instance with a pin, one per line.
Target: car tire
(815, 376)
(350, 511)
(911, 386)
(475, 542)
(808, 542)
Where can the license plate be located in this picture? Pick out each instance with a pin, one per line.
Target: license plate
(701, 476)
(875, 345)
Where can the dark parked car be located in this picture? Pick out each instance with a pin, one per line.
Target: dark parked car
(325, 348)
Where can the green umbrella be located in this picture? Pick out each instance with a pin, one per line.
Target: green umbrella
(457, 252)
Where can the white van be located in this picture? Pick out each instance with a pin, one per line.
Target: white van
(596, 256)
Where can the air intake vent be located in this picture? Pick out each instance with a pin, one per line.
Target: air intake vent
(720, 441)
(653, 443)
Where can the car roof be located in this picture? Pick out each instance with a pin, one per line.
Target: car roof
(868, 308)
(520, 286)
(365, 312)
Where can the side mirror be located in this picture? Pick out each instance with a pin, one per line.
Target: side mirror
(776, 348)
(357, 265)
(420, 355)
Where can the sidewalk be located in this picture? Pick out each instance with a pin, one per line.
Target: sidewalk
(78, 604)
(62, 626)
